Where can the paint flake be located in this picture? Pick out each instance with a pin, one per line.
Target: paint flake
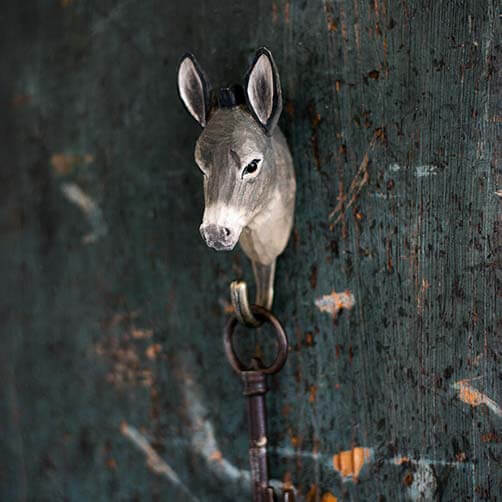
(334, 302)
(474, 397)
(349, 463)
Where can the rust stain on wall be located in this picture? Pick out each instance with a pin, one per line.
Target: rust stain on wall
(421, 296)
(350, 462)
(334, 302)
(312, 393)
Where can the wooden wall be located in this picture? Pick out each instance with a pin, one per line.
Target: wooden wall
(114, 382)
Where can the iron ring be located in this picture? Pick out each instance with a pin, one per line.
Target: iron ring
(280, 334)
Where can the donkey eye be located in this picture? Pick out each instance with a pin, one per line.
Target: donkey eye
(251, 167)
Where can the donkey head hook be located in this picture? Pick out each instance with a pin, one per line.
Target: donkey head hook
(249, 182)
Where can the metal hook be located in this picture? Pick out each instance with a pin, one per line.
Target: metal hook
(264, 277)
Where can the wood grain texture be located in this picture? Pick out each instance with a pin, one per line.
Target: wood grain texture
(114, 384)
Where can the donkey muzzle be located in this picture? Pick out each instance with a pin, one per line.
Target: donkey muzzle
(219, 237)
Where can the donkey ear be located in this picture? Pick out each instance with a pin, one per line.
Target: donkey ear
(193, 89)
(263, 90)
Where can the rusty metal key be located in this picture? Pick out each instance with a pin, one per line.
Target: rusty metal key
(255, 387)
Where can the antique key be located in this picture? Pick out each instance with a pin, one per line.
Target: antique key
(255, 388)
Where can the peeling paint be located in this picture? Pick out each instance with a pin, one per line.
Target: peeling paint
(76, 195)
(334, 302)
(474, 397)
(349, 463)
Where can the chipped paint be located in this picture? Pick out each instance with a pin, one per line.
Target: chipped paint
(349, 463)
(425, 170)
(334, 302)
(420, 171)
(405, 459)
(153, 460)
(90, 208)
(152, 351)
(312, 393)
(474, 397)
(140, 334)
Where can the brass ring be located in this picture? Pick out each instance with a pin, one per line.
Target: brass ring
(282, 342)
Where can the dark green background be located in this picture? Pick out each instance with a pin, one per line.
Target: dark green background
(411, 83)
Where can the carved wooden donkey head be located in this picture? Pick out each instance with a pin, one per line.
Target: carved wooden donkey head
(242, 155)
(249, 182)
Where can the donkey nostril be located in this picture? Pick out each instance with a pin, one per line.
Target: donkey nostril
(226, 231)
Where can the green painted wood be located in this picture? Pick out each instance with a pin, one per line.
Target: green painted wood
(112, 320)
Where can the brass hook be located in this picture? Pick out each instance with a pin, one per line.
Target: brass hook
(264, 277)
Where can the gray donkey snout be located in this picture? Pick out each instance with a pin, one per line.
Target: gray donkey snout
(218, 237)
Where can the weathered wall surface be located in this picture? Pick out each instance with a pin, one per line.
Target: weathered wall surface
(112, 365)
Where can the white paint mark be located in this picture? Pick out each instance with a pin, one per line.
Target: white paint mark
(474, 397)
(424, 484)
(334, 302)
(420, 171)
(425, 170)
(289, 452)
(403, 459)
(204, 441)
(76, 195)
(153, 460)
